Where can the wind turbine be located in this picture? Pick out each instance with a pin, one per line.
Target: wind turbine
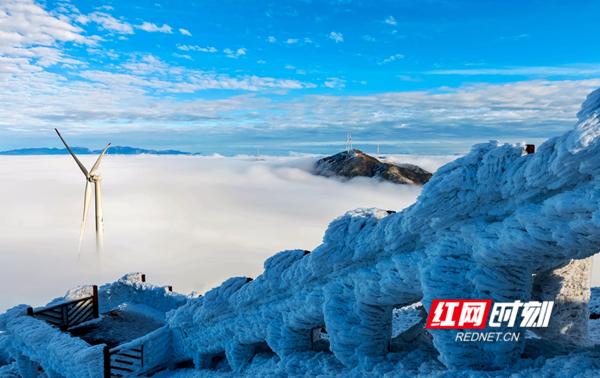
(90, 178)
(348, 142)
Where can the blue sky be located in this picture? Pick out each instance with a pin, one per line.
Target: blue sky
(230, 77)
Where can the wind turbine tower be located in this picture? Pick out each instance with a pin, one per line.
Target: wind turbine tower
(91, 177)
(348, 142)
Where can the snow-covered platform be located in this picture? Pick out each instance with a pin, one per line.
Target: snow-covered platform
(127, 336)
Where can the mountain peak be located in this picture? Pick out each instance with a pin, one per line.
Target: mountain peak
(355, 163)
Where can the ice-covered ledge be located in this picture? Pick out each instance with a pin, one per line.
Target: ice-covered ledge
(35, 345)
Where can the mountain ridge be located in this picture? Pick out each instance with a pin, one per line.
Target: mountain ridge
(113, 150)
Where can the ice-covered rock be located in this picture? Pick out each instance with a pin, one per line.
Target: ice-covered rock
(483, 227)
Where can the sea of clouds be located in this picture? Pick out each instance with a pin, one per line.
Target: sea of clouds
(187, 221)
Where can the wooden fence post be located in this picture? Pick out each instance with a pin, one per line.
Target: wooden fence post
(64, 310)
(106, 353)
(95, 302)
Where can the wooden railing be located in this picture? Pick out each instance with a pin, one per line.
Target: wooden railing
(69, 314)
(145, 355)
(123, 362)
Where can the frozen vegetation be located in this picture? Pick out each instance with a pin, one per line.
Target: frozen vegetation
(497, 223)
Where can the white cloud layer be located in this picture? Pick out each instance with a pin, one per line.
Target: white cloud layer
(41, 85)
(30, 37)
(187, 221)
(576, 70)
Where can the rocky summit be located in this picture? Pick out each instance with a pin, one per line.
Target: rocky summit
(355, 163)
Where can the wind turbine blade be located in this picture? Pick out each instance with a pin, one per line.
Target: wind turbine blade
(86, 205)
(85, 171)
(97, 163)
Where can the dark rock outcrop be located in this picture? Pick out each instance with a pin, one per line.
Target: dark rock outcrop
(355, 163)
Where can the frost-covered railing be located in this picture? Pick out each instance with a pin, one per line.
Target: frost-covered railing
(38, 345)
(499, 223)
(69, 314)
(142, 355)
(39, 348)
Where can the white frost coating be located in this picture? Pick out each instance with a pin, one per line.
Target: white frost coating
(481, 228)
(33, 343)
(36, 343)
(129, 290)
(587, 130)
(156, 346)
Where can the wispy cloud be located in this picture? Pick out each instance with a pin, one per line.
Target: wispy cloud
(234, 53)
(182, 56)
(107, 22)
(516, 37)
(542, 71)
(392, 58)
(153, 28)
(271, 39)
(334, 83)
(336, 37)
(368, 38)
(390, 20)
(205, 49)
(185, 32)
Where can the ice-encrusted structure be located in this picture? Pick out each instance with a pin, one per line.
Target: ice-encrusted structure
(36, 349)
(497, 223)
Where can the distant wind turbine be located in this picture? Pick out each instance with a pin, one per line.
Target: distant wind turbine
(91, 178)
(349, 142)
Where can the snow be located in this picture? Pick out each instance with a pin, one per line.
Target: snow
(496, 223)
(37, 343)
(132, 312)
(129, 290)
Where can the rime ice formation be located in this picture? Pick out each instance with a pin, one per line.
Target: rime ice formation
(36, 346)
(483, 226)
(497, 224)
